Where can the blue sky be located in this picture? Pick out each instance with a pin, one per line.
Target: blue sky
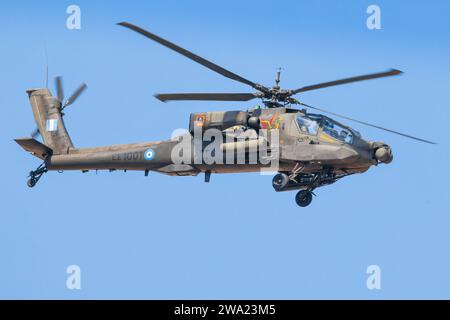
(168, 237)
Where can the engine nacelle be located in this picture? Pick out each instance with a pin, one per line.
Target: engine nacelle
(219, 120)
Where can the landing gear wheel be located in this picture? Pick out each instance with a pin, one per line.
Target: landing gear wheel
(303, 198)
(280, 181)
(35, 175)
(31, 182)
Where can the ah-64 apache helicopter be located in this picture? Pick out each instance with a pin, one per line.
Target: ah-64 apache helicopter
(314, 150)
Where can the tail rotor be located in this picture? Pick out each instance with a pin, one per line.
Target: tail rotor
(60, 96)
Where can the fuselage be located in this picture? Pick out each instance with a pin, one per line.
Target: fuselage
(314, 141)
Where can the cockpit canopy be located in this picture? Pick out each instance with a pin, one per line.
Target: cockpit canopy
(311, 123)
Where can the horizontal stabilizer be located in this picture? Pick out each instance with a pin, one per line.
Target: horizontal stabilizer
(34, 147)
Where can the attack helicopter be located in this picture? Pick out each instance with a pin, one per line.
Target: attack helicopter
(312, 149)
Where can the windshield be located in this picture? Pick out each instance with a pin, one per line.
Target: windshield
(307, 125)
(336, 131)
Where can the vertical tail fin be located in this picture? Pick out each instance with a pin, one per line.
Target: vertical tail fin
(49, 120)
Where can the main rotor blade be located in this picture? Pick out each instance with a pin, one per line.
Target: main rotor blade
(390, 73)
(192, 56)
(367, 124)
(206, 96)
(75, 95)
(59, 89)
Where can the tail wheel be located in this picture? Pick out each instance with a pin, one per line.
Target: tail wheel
(31, 182)
(303, 198)
(280, 181)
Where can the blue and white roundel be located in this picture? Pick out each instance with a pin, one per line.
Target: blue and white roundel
(149, 154)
